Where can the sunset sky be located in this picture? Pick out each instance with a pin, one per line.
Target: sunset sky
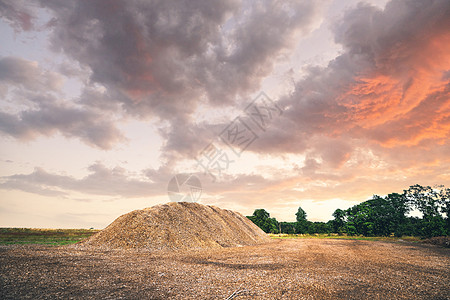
(103, 102)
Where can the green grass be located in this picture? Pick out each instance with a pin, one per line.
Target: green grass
(58, 237)
(51, 237)
(345, 237)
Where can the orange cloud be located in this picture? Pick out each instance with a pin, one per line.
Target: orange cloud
(406, 102)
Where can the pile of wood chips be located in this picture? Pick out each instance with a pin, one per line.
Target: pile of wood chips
(177, 225)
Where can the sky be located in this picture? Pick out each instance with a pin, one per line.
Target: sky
(267, 104)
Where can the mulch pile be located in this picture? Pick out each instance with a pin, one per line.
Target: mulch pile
(177, 225)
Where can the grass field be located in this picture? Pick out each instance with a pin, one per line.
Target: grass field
(57, 237)
(52, 237)
(345, 237)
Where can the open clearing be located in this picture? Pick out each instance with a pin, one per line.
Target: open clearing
(282, 269)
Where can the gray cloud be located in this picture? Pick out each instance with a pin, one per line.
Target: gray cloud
(143, 51)
(42, 113)
(98, 100)
(90, 127)
(18, 14)
(118, 182)
(101, 181)
(15, 71)
(156, 59)
(256, 42)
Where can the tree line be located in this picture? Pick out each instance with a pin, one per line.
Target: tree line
(379, 216)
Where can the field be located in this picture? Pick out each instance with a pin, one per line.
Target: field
(301, 268)
(345, 237)
(58, 237)
(51, 237)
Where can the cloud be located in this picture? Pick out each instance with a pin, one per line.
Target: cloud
(53, 116)
(375, 118)
(36, 109)
(100, 181)
(427, 122)
(118, 182)
(17, 14)
(388, 88)
(286, 190)
(153, 50)
(157, 60)
(69, 122)
(19, 72)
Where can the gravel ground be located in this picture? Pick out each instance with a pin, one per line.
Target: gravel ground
(282, 269)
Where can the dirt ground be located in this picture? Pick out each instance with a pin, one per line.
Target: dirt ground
(282, 269)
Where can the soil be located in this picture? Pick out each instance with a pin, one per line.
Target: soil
(280, 269)
(177, 225)
(443, 241)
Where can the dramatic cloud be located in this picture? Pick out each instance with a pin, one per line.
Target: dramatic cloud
(375, 119)
(389, 88)
(161, 58)
(156, 59)
(29, 90)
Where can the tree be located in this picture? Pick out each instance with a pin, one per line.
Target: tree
(444, 202)
(399, 208)
(302, 223)
(339, 221)
(287, 227)
(359, 219)
(300, 215)
(261, 214)
(318, 227)
(428, 201)
(263, 220)
(425, 199)
(371, 218)
(379, 216)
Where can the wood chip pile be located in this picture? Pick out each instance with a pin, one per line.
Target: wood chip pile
(177, 225)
